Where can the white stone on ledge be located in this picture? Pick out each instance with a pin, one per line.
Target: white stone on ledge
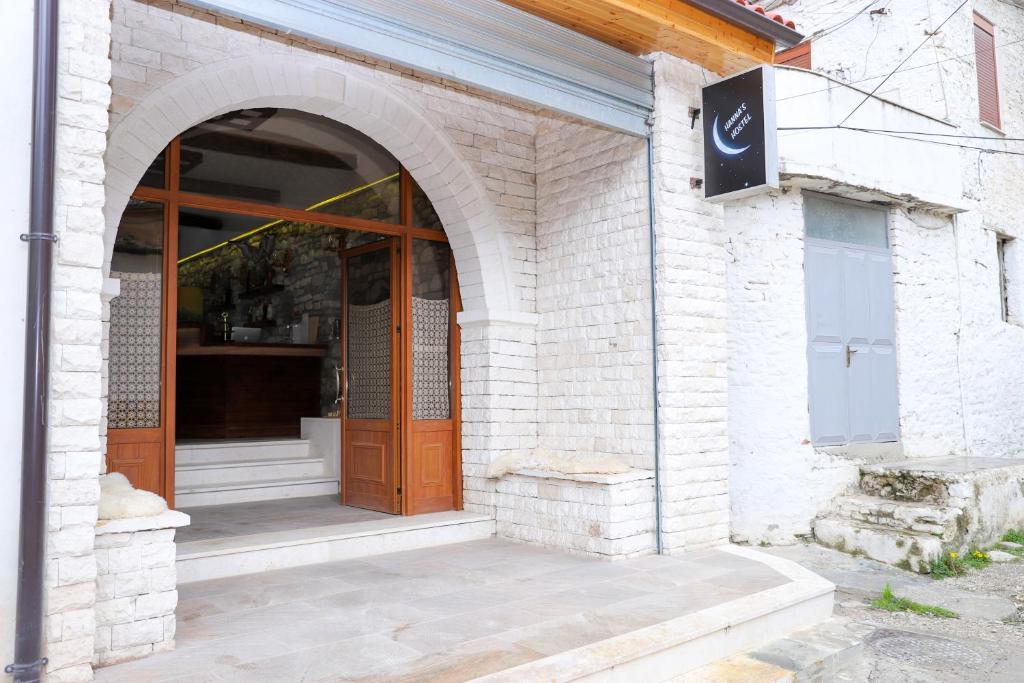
(170, 519)
(589, 477)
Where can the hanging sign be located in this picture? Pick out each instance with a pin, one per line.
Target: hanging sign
(740, 148)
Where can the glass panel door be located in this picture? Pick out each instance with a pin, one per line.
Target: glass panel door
(431, 459)
(135, 416)
(370, 386)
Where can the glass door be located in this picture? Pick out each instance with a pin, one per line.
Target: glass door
(136, 415)
(430, 473)
(371, 404)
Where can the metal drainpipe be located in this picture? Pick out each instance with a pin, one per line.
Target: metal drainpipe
(28, 661)
(654, 343)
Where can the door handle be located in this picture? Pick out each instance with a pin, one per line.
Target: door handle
(849, 354)
(338, 395)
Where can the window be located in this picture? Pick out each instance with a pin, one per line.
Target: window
(799, 56)
(838, 220)
(988, 79)
(1004, 255)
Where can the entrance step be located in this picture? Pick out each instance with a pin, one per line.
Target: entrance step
(255, 471)
(927, 518)
(909, 550)
(250, 491)
(223, 557)
(908, 513)
(240, 450)
(821, 654)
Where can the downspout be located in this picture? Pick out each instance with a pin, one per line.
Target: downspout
(28, 659)
(654, 344)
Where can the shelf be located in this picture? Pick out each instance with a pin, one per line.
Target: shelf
(260, 291)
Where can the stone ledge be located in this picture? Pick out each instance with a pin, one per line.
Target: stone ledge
(171, 519)
(587, 477)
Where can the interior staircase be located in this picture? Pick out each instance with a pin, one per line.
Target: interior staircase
(221, 472)
(909, 513)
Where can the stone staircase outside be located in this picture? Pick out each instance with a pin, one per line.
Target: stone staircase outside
(909, 513)
(223, 472)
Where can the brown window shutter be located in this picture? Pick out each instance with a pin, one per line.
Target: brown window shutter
(988, 80)
(799, 56)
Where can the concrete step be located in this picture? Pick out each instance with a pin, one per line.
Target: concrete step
(910, 550)
(241, 450)
(220, 557)
(249, 491)
(820, 654)
(926, 518)
(255, 471)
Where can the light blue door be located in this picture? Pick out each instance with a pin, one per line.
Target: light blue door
(850, 324)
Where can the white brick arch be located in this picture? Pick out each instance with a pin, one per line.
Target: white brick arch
(331, 90)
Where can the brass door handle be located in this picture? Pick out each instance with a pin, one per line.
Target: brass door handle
(849, 354)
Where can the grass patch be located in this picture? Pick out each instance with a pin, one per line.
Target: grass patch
(890, 603)
(955, 564)
(1014, 536)
(977, 559)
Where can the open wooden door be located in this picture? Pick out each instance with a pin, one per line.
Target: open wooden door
(140, 403)
(432, 468)
(371, 387)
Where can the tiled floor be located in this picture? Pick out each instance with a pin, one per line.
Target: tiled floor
(243, 519)
(447, 613)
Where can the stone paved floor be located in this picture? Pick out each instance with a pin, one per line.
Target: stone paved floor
(243, 519)
(447, 613)
(985, 644)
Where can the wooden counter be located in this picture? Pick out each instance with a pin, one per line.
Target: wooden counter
(250, 349)
(242, 390)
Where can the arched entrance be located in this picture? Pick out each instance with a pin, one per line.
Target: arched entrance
(284, 279)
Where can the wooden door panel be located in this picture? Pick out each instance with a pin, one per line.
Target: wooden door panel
(430, 467)
(369, 468)
(370, 438)
(138, 454)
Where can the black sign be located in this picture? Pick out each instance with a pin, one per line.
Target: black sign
(740, 155)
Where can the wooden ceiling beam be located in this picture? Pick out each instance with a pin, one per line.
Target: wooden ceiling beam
(672, 26)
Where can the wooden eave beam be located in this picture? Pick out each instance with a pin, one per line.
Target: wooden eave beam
(672, 26)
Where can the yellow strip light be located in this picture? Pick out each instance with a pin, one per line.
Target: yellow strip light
(271, 224)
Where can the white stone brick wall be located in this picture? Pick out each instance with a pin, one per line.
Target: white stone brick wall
(778, 481)
(75, 382)
(136, 587)
(691, 321)
(593, 294)
(610, 516)
(156, 43)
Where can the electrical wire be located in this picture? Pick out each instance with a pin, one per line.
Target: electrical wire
(883, 133)
(905, 70)
(930, 35)
(907, 132)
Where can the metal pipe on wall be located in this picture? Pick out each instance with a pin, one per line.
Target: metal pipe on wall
(654, 343)
(28, 639)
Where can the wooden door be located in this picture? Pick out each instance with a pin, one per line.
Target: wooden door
(371, 388)
(432, 467)
(140, 397)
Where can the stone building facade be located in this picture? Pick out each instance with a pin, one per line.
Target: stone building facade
(549, 219)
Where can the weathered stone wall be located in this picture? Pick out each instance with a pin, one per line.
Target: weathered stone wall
(948, 309)
(136, 587)
(692, 314)
(75, 453)
(593, 295)
(610, 516)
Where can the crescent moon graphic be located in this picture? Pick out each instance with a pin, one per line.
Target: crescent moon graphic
(722, 147)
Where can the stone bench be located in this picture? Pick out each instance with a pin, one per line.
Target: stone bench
(136, 586)
(602, 515)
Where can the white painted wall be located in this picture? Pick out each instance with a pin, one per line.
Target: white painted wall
(15, 120)
(959, 368)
